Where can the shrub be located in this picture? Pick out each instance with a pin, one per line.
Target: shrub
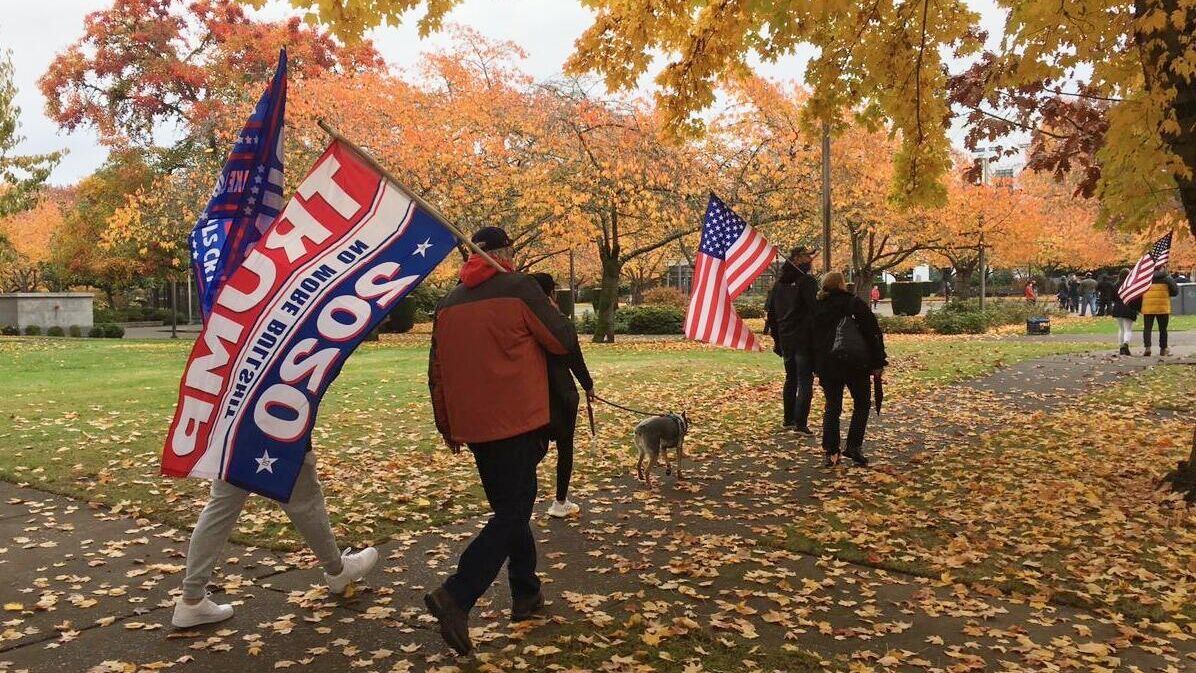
(750, 308)
(96, 331)
(652, 319)
(946, 321)
(112, 331)
(903, 324)
(75, 331)
(33, 330)
(10, 330)
(164, 316)
(401, 318)
(55, 331)
(666, 296)
(907, 298)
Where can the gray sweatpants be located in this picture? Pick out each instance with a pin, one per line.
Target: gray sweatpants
(306, 511)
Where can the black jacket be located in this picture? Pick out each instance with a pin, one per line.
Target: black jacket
(828, 312)
(790, 311)
(1120, 309)
(562, 392)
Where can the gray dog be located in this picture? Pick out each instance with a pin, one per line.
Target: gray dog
(653, 436)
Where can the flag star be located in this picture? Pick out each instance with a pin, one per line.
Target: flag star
(265, 463)
(422, 248)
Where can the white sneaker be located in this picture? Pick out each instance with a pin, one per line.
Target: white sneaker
(203, 612)
(355, 567)
(561, 509)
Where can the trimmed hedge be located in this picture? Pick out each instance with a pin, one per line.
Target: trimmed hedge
(642, 319)
(401, 318)
(96, 332)
(55, 331)
(652, 319)
(907, 298)
(750, 308)
(965, 317)
(33, 330)
(113, 331)
(10, 330)
(75, 331)
(903, 324)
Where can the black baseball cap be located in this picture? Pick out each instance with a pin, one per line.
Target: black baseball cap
(491, 238)
(802, 250)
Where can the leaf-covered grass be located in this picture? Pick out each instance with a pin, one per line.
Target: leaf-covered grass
(87, 418)
(1106, 325)
(1060, 507)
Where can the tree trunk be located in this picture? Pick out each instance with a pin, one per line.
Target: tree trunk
(607, 300)
(963, 280)
(1160, 52)
(864, 280)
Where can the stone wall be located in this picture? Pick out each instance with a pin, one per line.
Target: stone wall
(46, 309)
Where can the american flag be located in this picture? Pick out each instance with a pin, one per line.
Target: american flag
(1140, 277)
(731, 256)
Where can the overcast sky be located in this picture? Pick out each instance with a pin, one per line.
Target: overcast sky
(35, 30)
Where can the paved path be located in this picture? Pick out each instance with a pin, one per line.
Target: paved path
(89, 589)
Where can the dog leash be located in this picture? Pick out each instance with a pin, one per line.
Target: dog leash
(619, 406)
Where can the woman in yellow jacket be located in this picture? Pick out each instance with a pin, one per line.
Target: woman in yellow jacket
(1156, 306)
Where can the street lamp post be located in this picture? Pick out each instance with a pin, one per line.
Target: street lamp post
(826, 197)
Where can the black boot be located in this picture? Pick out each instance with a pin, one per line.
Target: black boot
(857, 456)
(527, 607)
(1125, 349)
(454, 623)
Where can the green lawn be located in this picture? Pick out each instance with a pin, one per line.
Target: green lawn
(1076, 325)
(87, 418)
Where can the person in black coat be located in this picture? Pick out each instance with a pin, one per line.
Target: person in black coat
(563, 401)
(790, 309)
(1125, 315)
(835, 304)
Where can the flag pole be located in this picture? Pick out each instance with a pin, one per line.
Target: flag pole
(432, 210)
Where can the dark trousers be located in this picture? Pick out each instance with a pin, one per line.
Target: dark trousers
(508, 471)
(798, 391)
(861, 394)
(564, 457)
(1148, 321)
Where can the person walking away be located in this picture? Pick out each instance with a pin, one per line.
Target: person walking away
(1125, 315)
(835, 308)
(1106, 290)
(1073, 294)
(562, 409)
(1088, 295)
(1030, 292)
(875, 297)
(1156, 308)
(307, 513)
(488, 378)
(789, 312)
(1061, 295)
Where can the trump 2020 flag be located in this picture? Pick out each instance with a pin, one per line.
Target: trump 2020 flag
(346, 248)
(247, 196)
(730, 257)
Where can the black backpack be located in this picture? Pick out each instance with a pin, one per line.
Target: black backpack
(849, 346)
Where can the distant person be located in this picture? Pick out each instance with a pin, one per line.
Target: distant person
(1030, 292)
(1156, 307)
(837, 371)
(1125, 315)
(1061, 295)
(790, 311)
(488, 378)
(562, 409)
(1073, 293)
(1106, 292)
(1088, 295)
(875, 297)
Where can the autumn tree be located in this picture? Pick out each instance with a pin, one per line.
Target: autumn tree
(619, 184)
(21, 175)
(23, 265)
(143, 66)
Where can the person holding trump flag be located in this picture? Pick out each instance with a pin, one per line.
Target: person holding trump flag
(324, 273)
